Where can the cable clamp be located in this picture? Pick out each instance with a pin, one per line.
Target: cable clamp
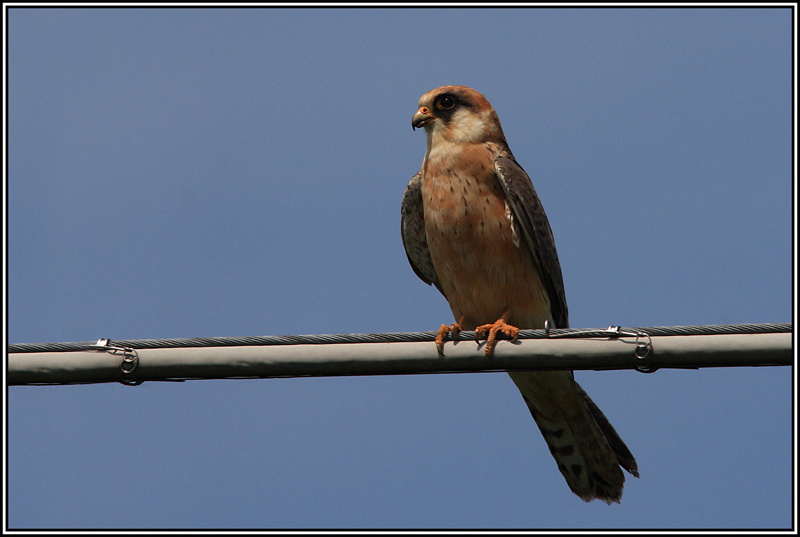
(130, 359)
(644, 345)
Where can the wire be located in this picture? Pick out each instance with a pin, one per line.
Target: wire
(395, 337)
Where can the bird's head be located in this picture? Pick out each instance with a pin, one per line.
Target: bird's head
(457, 114)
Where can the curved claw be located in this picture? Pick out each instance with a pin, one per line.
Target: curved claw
(441, 334)
(498, 326)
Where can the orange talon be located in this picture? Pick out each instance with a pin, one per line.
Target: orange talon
(498, 326)
(441, 334)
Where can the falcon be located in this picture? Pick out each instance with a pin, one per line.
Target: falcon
(473, 226)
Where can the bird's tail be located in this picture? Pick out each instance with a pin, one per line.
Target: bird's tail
(588, 450)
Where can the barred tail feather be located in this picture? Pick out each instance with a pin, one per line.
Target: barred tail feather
(623, 454)
(587, 449)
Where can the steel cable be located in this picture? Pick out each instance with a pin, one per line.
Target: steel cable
(397, 337)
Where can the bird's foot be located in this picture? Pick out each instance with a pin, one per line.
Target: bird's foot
(498, 326)
(441, 334)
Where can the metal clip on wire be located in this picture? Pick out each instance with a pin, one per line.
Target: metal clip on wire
(644, 344)
(130, 359)
(643, 348)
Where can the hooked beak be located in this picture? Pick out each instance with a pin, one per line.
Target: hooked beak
(421, 118)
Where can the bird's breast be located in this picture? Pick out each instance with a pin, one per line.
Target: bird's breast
(462, 197)
(483, 266)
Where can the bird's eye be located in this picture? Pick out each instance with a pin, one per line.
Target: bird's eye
(446, 103)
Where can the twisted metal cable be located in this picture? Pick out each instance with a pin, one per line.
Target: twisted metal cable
(396, 337)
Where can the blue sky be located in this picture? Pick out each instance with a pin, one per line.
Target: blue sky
(238, 172)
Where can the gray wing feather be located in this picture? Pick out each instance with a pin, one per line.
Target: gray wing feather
(412, 227)
(528, 211)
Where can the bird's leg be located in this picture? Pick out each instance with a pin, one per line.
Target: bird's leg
(453, 330)
(499, 325)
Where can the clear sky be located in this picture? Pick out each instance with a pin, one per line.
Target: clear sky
(238, 172)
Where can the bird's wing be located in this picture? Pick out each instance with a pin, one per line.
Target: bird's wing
(412, 227)
(529, 213)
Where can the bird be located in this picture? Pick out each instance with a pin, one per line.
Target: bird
(473, 227)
